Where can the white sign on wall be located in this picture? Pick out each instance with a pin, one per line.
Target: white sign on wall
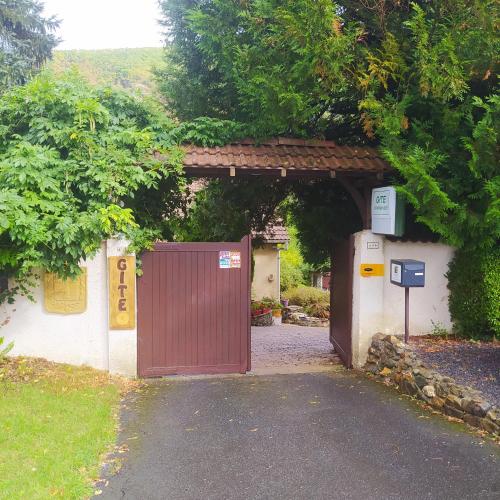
(387, 212)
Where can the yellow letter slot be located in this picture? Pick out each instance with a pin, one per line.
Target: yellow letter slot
(367, 270)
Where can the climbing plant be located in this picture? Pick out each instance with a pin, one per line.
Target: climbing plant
(72, 159)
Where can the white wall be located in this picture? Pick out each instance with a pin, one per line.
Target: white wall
(79, 339)
(426, 304)
(122, 343)
(368, 296)
(378, 306)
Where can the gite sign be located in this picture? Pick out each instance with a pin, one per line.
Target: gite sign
(388, 215)
(121, 293)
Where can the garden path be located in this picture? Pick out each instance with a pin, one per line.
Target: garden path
(292, 349)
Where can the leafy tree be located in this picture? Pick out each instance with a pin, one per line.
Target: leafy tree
(294, 271)
(249, 205)
(431, 96)
(279, 66)
(72, 159)
(26, 40)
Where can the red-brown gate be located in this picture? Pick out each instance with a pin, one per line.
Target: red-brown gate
(193, 309)
(341, 299)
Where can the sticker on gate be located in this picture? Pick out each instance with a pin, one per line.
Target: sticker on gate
(224, 260)
(235, 260)
(229, 260)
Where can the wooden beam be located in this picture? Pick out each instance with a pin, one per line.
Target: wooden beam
(360, 200)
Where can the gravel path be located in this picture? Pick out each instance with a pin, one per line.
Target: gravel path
(473, 364)
(291, 349)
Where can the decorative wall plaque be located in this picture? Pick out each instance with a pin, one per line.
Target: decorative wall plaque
(65, 296)
(121, 293)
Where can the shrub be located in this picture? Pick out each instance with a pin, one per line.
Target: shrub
(315, 302)
(293, 270)
(474, 283)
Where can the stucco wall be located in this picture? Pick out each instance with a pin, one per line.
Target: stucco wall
(368, 296)
(79, 339)
(426, 304)
(266, 264)
(74, 338)
(378, 306)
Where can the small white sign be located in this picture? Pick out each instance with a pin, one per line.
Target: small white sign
(396, 273)
(372, 245)
(387, 211)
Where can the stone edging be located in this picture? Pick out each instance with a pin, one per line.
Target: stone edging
(390, 358)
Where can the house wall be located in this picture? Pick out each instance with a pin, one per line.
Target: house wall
(79, 339)
(378, 306)
(267, 263)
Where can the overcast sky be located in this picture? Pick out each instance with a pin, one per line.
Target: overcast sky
(106, 24)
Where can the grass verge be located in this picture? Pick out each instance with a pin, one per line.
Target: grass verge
(56, 423)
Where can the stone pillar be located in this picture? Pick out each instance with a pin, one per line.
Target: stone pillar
(368, 295)
(122, 343)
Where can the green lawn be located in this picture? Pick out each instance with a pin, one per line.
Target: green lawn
(56, 422)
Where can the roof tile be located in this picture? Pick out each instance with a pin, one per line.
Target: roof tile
(296, 154)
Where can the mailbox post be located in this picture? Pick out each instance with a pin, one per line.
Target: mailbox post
(407, 273)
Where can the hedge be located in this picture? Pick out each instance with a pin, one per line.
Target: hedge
(474, 284)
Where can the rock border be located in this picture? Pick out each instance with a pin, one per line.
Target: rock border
(295, 315)
(391, 359)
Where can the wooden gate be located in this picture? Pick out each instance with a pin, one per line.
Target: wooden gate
(341, 299)
(193, 309)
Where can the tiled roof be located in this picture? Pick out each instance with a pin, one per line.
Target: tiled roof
(292, 155)
(274, 234)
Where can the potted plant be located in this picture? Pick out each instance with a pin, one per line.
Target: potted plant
(275, 307)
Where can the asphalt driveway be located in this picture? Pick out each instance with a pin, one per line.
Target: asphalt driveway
(297, 436)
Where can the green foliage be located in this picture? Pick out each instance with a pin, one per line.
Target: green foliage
(249, 205)
(208, 132)
(279, 66)
(436, 112)
(26, 40)
(126, 69)
(322, 212)
(474, 283)
(266, 303)
(293, 269)
(72, 159)
(315, 302)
